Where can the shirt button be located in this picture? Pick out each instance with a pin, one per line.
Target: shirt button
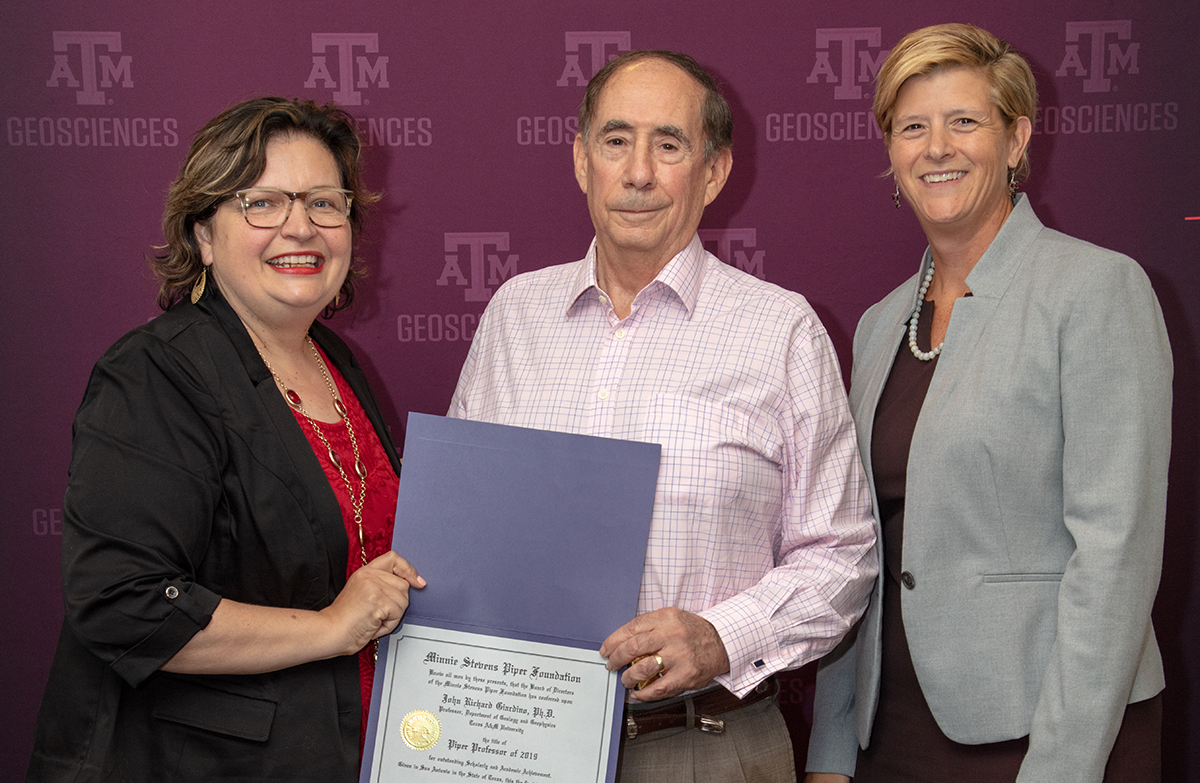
(603, 395)
(172, 592)
(908, 580)
(620, 334)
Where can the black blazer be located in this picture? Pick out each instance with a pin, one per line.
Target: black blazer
(191, 481)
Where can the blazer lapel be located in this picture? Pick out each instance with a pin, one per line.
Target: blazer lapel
(280, 441)
(988, 281)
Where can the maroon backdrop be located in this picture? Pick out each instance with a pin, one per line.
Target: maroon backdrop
(469, 113)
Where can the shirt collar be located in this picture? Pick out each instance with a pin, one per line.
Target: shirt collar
(683, 274)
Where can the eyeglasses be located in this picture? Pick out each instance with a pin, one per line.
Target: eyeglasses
(270, 207)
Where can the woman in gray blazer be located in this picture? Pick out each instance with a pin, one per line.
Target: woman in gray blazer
(1013, 406)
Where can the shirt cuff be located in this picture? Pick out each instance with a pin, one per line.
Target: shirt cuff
(750, 644)
(193, 608)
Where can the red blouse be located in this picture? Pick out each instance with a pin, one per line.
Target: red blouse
(379, 509)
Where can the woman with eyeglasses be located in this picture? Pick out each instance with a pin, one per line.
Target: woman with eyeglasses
(227, 524)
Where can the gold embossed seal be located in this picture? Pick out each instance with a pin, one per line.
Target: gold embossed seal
(420, 729)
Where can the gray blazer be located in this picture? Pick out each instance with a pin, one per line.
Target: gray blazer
(1035, 508)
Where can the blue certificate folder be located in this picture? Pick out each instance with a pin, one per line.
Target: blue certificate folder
(521, 534)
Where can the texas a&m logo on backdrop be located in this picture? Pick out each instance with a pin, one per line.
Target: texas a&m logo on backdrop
(90, 62)
(88, 67)
(351, 63)
(347, 63)
(1100, 65)
(478, 261)
(1107, 52)
(601, 47)
(859, 58)
(736, 247)
(846, 61)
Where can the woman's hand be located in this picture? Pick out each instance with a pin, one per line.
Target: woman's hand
(373, 601)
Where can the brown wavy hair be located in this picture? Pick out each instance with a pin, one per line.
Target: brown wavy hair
(229, 154)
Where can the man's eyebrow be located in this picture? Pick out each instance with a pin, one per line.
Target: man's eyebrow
(662, 130)
(677, 132)
(613, 125)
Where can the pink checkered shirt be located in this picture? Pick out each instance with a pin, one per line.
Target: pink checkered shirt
(762, 517)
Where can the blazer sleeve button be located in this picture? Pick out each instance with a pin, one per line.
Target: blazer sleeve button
(172, 592)
(908, 580)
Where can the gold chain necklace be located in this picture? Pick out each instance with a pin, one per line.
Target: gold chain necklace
(293, 399)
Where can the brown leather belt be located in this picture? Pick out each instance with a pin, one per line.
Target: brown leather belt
(695, 712)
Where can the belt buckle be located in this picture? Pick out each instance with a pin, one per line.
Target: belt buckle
(711, 725)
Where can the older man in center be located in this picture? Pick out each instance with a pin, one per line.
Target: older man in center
(761, 551)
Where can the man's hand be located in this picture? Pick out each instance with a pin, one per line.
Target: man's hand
(690, 648)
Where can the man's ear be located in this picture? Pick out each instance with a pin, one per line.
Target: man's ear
(580, 153)
(718, 174)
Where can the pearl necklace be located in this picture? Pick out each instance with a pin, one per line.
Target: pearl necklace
(293, 399)
(916, 315)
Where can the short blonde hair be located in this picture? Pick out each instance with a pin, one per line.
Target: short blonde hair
(921, 52)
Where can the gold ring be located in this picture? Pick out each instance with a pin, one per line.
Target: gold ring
(661, 668)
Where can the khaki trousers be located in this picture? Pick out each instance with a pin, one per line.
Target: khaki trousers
(754, 748)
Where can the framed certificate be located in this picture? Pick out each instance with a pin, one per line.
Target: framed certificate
(532, 544)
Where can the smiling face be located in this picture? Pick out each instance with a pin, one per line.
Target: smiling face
(951, 152)
(642, 165)
(278, 277)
